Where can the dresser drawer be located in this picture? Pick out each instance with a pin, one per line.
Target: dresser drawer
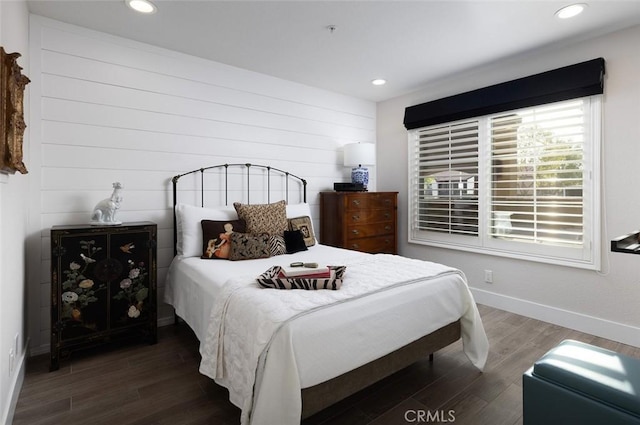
(370, 216)
(367, 230)
(365, 201)
(380, 244)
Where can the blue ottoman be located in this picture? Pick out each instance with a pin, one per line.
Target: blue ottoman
(577, 383)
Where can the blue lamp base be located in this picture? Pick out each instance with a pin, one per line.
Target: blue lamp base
(360, 175)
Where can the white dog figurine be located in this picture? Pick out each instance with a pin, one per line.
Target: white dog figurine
(104, 212)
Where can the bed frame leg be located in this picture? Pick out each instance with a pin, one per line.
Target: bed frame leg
(431, 358)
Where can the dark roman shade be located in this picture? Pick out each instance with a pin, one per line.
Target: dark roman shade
(569, 82)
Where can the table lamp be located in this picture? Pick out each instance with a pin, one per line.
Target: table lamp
(359, 154)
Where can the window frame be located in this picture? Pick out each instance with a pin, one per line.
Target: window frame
(586, 257)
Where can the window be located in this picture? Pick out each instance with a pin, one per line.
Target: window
(521, 183)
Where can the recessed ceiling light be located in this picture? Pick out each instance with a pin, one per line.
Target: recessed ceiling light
(142, 6)
(379, 82)
(571, 11)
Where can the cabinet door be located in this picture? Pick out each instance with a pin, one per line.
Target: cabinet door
(131, 293)
(82, 285)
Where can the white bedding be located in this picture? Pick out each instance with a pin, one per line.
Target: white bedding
(312, 348)
(193, 283)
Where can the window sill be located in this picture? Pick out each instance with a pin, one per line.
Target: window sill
(581, 264)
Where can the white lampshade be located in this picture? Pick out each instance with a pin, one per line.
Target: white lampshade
(359, 154)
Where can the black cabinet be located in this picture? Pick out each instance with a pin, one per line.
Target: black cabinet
(103, 286)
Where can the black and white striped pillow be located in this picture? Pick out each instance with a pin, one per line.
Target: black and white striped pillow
(277, 245)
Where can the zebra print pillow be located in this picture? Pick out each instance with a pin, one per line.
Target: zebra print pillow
(277, 245)
(270, 279)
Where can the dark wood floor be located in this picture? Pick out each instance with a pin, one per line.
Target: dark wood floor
(160, 384)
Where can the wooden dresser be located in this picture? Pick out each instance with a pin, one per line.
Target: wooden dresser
(362, 221)
(103, 286)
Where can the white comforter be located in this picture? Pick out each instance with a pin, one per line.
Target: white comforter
(248, 344)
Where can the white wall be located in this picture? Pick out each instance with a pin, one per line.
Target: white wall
(606, 303)
(13, 231)
(115, 110)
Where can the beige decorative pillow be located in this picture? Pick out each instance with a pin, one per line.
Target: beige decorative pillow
(264, 218)
(303, 224)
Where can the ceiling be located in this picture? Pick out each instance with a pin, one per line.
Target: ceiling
(409, 43)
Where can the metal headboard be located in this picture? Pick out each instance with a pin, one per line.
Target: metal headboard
(247, 167)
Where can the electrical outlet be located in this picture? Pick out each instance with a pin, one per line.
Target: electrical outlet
(488, 276)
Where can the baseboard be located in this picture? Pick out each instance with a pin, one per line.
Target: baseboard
(166, 321)
(44, 348)
(615, 331)
(16, 386)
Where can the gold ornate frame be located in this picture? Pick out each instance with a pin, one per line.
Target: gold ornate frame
(12, 125)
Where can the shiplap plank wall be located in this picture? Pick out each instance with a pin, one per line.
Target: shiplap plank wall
(111, 109)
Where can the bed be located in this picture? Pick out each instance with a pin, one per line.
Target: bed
(287, 354)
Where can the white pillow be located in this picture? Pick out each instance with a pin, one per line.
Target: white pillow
(298, 210)
(189, 230)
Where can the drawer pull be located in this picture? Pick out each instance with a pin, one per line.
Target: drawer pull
(355, 231)
(355, 246)
(356, 202)
(355, 217)
(387, 201)
(387, 227)
(387, 215)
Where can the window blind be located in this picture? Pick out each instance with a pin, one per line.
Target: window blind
(537, 157)
(446, 169)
